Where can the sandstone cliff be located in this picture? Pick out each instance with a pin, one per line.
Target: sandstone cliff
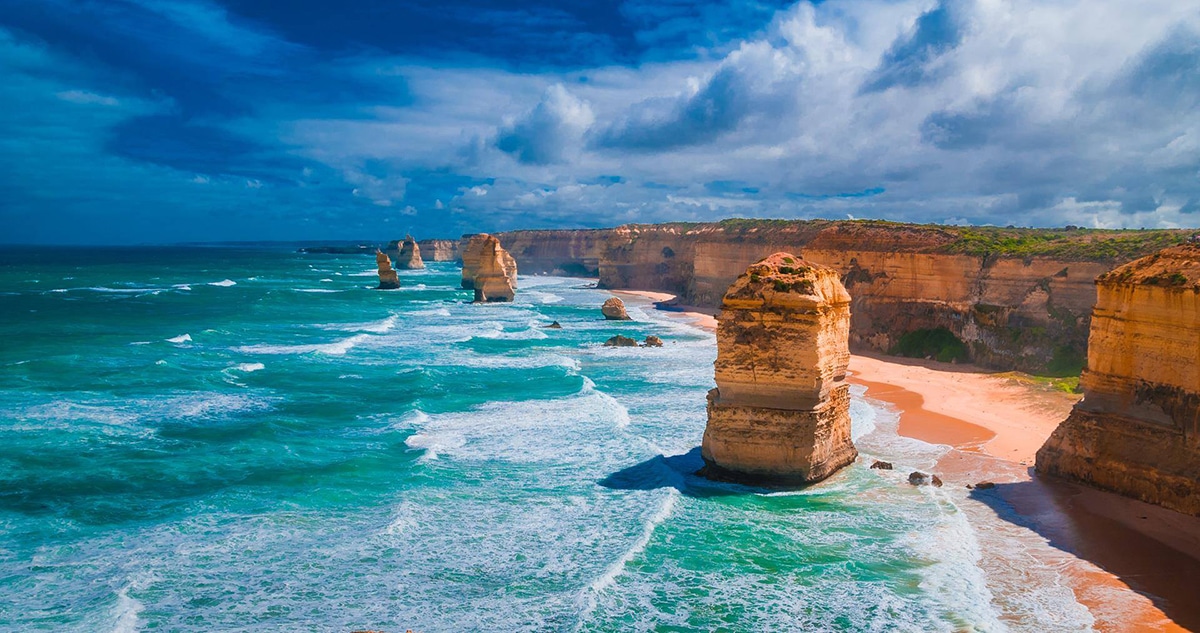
(439, 250)
(409, 255)
(494, 271)
(1018, 298)
(388, 280)
(780, 412)
(1137, 430)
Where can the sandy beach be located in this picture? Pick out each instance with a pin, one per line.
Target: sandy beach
(1134, 565)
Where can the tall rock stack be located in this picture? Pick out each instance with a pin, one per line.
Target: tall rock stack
(781, 411)
(495, 272)
(472, 250)
(1137, 429)
(410, 255)
(388, 280)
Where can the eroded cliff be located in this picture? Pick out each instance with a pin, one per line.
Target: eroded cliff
(780, 412)
(439, 250)
(388, 279)
(408, 256)
(1137, 429)
(1017, 298)
(489, 269)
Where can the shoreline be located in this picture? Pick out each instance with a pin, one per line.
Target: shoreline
(994, 426)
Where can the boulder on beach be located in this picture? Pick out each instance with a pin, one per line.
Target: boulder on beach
(614, 310)
(918, 478)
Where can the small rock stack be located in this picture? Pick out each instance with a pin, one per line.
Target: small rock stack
(410, 255)
(780, 412)
(388, 280)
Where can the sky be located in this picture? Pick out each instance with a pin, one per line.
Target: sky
(162, 121)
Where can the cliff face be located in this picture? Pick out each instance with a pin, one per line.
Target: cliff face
(495, 271)
(439, 250)
(1012, 311)
(471, 249)
(1137, 430)
(388, 280)
(780, 412)
(409, 255)
(567, 252)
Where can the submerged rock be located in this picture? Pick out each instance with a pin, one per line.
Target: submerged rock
(554, 326)
(409, 257)
(388, 280)
(780, 412)
(621, 341)
(918, 478)
(1137, 430)
(614, 309)
(653, 341)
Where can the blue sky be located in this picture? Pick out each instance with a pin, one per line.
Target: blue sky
(129, 121)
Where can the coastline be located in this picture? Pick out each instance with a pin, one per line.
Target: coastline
(994, 427)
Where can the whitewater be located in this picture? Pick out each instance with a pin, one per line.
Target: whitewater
(254, 439)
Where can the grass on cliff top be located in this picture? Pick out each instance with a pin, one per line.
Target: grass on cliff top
(1069, 243)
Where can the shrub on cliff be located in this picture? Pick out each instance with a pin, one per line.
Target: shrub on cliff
(938, 343)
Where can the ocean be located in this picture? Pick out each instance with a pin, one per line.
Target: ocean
(254, 439)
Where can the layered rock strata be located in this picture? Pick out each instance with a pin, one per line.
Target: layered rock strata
(1018, 298)
(439, 250)
(614, 309)
(780, 412)
(388, 280)
(1137, 429)
(494, 272)
(409, 257)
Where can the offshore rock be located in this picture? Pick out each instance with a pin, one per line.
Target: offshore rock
(614, 310)
(653, 341)
(388, 280)
(621, 341)
(495, 272)
(475, 250)
(880, 465)
(409, 257)
(780, 412)
(554, 326)
(1137, 430)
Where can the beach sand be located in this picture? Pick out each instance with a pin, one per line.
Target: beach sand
(1136, 567)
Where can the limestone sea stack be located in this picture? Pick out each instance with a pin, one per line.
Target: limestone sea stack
(473, 253)
(410, 255)
(388, 280)
(780, 414)
(495, 277)
(1137, 429)
(614, 310)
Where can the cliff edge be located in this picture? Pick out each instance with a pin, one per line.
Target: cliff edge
(780, 412)
(1137, 429)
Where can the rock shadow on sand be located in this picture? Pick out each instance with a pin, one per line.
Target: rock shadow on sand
(1124, 537)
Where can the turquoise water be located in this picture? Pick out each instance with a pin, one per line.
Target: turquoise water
(254, 440)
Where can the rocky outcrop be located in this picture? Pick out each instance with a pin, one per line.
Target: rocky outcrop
(439, 250)
(1018, 298)
(388, 280)
(653, 341)
(1137, 429)
(614, 310)
(409, 256)
(494, 272)
(780, 412)
(620, 341)
(471, 249)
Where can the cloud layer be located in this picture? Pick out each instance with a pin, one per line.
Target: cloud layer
(196, 120)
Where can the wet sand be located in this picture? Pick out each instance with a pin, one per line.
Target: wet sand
(1136, 567)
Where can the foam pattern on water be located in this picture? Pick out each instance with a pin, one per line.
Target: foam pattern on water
(355, 459)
